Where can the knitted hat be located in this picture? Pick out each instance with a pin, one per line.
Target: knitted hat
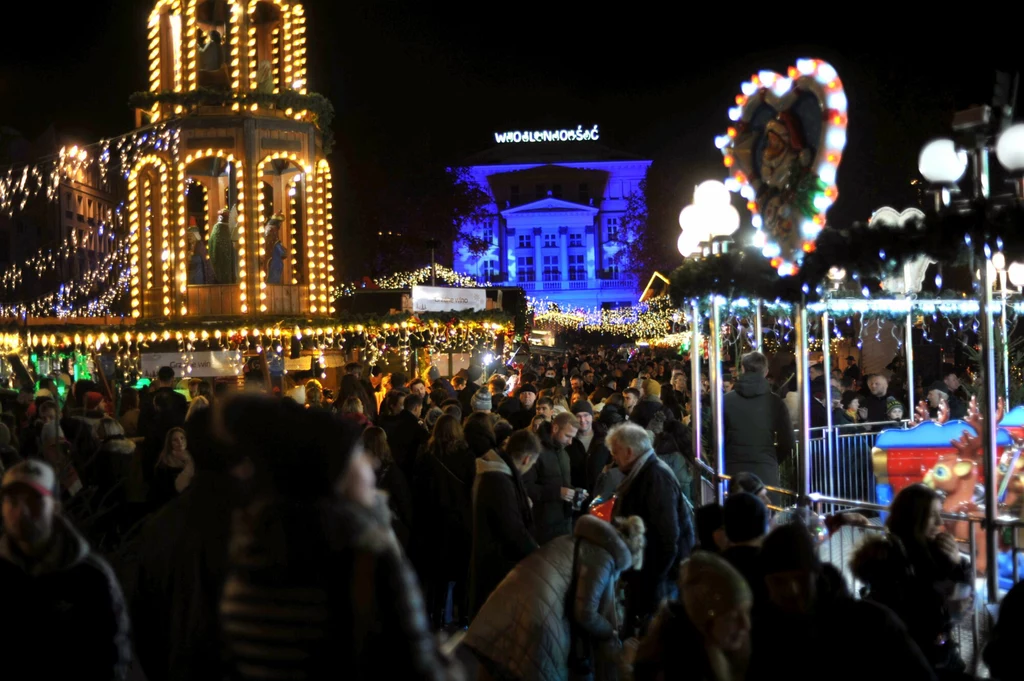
(528, 388)
(651, 387)
(849, 396)
(92, 400)
(746, 517)
(789, 548)
(475, 372)
(745, 482)
(43, 392)
(482, 400)
(709, 586)
(582, 406)
(433, 374)
(892, 403)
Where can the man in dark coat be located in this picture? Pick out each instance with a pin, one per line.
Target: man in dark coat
(650, 490)
(406, 434)
(758, 431)
(588, 454)
(549, 483)
(472, 385)
(65, 616)
(501, 515)
(183, 564)
(159, 411)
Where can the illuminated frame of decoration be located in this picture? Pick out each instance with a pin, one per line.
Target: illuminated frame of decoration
(192, 38)
(286, 17)
(325, 232)
(173, 7)
(236, 53)
(293, 208)
(313, 190)
(262, 237)
(134, 225)
(298, 52)
(820, 78)
(183, 220)
(147, 228)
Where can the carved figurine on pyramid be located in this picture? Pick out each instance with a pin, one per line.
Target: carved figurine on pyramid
(200, 269)
(273, 263)
(223, 252)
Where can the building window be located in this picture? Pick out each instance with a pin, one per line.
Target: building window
(556, 191)
(576, 239)
(612, 268)
(551, 272)
(577, 268)
(489, 270)
(487, 234)
(513, 195)
(524, 268)
(525, 241)
(584, 193)
(612, 229)
(550, 241)
(541, 193)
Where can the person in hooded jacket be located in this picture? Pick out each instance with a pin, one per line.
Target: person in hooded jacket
(501, 515)
(672, 445)
(562, 593)
(758, 432)
(64, 613)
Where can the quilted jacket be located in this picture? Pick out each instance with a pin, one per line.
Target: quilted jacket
(522, 631)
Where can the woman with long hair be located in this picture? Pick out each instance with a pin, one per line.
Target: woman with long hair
(917, 570)
(174, 469)
(391, 479)
(443, 499)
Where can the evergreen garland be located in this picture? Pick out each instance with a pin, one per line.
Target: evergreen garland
(865, 253)
(316, 104)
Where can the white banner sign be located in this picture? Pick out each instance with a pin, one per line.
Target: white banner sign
(580, 134)
(205, 364)
(448, 299)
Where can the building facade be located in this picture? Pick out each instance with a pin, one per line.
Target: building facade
(555, 224)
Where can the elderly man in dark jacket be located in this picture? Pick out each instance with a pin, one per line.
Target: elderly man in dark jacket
(650, 490)
(64, 615)
(758, 431)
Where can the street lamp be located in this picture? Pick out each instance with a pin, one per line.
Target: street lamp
(943, 162)
(708, 225)
(709, 222)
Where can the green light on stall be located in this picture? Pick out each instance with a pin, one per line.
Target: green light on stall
(142, 384)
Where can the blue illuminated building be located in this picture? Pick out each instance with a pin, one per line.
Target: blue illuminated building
(555, 223)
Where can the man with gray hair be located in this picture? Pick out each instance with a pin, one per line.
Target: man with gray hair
(649, 490)
(758, 432)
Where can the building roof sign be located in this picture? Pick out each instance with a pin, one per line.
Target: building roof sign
(549, 205)
(580, 134)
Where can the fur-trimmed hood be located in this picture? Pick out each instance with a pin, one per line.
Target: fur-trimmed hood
(605, 535)
(118, 445)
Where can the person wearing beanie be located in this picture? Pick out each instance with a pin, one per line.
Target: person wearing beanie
(706, 633)
(481, 400)
(938, 392)
(746, 524)
(894, 409)
(588, 454)
(441, 388)
(810, 602)
(709, 520)
(749, 483)
(649, 404)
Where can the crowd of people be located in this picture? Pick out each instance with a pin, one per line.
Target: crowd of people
(541, 522)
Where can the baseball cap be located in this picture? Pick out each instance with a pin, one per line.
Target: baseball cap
(36, 474)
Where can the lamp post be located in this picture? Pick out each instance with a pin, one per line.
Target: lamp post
(708, 225)
(943, 162)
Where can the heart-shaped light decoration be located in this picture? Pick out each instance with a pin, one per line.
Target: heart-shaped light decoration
(783, 151)
(911, 279)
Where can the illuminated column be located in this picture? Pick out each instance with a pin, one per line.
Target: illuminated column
(312, 198)
(154, 59)
(182, 251)
(322, 183)
(237, 17)
(147, 229)
(591, 254)
(327, 258)
(243, 296)
(538, 259)
(294, 214)
(251, 51)
(133, 238)
(297, 49)
(563, 253)
(191, 45)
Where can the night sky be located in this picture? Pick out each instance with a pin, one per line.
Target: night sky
(417, 87)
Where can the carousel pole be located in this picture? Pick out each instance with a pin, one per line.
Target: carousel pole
(803, 386)
(827, 361)
(715, 374)
(1005, 339)
(908, 341)
(696, 421)
(990, 455)
(758, 329)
